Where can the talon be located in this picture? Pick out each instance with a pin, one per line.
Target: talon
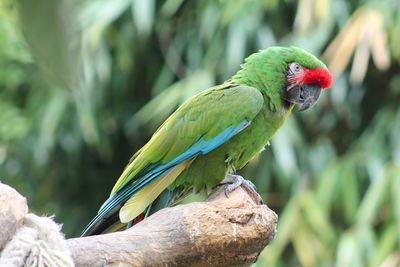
(235, 181)
(226, 192)
(251, 184)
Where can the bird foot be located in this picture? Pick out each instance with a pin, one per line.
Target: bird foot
(235, 181)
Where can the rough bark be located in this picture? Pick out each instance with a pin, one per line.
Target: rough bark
(219, 232)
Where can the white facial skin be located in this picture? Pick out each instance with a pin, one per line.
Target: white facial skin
(295, 74)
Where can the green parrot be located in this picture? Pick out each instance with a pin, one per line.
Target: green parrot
(213, 134)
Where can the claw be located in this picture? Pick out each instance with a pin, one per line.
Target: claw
(235, 181)
(226, 192)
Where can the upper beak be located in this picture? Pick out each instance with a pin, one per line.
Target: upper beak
(305, 94)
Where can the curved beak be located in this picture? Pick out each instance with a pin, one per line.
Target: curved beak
(305, 94)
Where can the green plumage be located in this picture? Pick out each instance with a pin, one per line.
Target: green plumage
(254, 94)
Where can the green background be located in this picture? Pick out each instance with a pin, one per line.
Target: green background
(84, 84)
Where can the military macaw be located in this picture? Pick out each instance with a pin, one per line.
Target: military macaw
(213, 134)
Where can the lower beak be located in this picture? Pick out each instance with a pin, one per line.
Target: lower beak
(305, 94)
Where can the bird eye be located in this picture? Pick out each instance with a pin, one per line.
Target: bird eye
(295, 67)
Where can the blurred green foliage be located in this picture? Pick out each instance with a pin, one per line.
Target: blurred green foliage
(85, 83)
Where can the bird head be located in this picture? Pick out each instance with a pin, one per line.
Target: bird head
(305, 79)
(285, 75)
(304, 85)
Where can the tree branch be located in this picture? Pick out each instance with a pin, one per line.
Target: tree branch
(219, 232)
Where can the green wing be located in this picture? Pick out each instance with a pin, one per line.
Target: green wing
(206, 114)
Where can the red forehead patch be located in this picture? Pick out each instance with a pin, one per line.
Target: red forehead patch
(319, 76)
